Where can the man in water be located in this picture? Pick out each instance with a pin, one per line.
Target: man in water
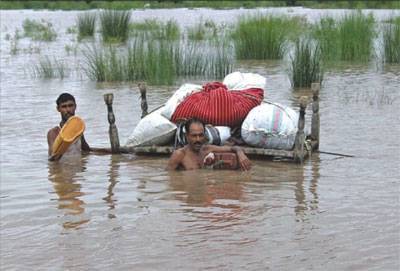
(66, 105)
(193, 155)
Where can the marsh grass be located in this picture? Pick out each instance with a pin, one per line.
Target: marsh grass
(154, 29)
(42, 30)
(306, 64)
(114, 25)
(86, 24)
(48, 69)
(158, 62)
(349, 39)
(263, 37)
(391, 41)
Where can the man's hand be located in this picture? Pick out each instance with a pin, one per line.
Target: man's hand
(244, 161)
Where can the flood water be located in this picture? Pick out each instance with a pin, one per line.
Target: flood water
(125, 212)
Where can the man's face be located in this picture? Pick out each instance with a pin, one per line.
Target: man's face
(195, 136)
(66, 109)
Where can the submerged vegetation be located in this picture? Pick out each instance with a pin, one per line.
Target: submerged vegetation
(42, 30)
(115, 25)
(47, 69)
(159, 52)
(263, 37)
(86, 24)
(349, 38)
(306, 64)
(391, 41)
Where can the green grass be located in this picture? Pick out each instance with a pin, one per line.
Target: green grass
(217, 4)
(306, 64)
(158, 62)
(391, 41)
(263, 37)
(48, 69)
(349, 38)
(86, 24)
(115, 25)
(154, 29)
(42, 30)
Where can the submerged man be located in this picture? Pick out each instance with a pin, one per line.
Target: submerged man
(193, 155)
(66, 105)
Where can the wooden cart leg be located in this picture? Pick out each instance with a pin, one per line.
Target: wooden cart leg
(315, 116)
(113, 132)
(143, 104)
(299, 152)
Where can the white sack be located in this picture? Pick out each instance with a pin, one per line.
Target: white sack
(270, 126)
(153, 129)
(179, 95)
(240, 81)
(217, 135)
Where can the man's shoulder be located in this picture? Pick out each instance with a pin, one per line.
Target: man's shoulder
(54, 130)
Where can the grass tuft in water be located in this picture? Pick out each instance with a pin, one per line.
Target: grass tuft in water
(153, 29)
(263, 37)
(391, 41)
(48, 69)
(306, 64)
(115, 25)
(86, 24)
(39, 30)
(349, 38)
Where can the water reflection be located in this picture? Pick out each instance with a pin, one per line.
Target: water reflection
(211, 196)
(66, 176)
(113, 175)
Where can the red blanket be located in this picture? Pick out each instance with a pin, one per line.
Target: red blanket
(218, 106)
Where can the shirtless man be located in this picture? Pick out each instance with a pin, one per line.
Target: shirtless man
(192, 155)
(66, 105)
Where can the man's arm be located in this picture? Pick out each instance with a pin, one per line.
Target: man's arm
(86, 148)
(51, 137)
(176, 159)
(244, 161)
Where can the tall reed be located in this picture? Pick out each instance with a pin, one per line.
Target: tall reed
(262, 37)
(391, 41)
(48, 69)
(86, 24)
(42, 30)
(306, 64)
(154, 29)
(115, 25)
(350, 38)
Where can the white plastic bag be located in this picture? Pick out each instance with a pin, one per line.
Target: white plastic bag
(240, 81)
(270, 126)
(153, 129)
(217, 135)
(179, 95)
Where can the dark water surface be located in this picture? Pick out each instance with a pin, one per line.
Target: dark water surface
(125, 212)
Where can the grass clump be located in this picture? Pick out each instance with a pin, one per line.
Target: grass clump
(115, 25)
(262, 37)
(349, 38)
(154, 29)
(306, 64)
(42, 30)
(391, 41)
(86, 24)
(48, 69)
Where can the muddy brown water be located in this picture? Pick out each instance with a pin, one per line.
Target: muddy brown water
(124, 212)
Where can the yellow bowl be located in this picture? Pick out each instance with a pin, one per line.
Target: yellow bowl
(69, 133)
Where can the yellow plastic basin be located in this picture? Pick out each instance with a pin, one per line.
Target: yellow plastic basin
(70, 132)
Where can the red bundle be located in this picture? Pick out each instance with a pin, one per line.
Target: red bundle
(217, 106)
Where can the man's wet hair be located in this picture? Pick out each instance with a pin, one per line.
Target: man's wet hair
(64, 97)
(191, 121)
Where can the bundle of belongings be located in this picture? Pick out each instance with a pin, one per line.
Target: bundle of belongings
(234, 109)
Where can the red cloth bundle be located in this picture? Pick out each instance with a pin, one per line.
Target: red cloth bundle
(218, 106)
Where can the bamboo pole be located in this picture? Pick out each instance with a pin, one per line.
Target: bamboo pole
(315, 123)
(113, 132)
(298, 151)
(143, 104)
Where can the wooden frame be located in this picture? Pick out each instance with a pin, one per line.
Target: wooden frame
(303, 147)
